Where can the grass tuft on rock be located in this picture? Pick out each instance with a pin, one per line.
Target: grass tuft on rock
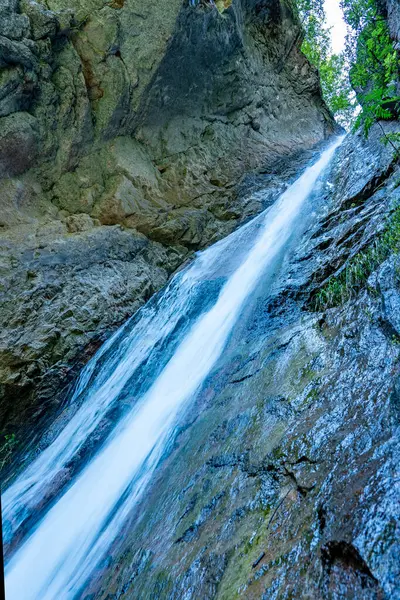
(338, 289)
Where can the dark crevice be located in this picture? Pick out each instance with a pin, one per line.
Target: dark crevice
(303, 459)
(240, 379)
(302, 489)
(321, 514)
(349, 558)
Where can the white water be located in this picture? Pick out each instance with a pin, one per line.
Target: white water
(59, 556)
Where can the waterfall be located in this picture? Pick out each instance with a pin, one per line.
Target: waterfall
(156, 362)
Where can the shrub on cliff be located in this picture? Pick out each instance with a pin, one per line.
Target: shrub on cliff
(373, 64)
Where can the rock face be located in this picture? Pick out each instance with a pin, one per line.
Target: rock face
(283, 479)
(393, 17)
(125, 131)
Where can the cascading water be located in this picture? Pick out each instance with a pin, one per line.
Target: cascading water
(156, 362)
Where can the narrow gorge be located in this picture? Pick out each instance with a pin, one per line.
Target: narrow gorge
(199, 308)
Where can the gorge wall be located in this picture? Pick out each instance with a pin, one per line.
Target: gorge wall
(131, 136)
(126, 129)
(283, 479)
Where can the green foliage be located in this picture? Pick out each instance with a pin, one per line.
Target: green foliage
(316, 46)
(394, 140)
(353, 277)
(369, 65)
(358, 13)
(336, 88)
(7, 447)
(373, 65)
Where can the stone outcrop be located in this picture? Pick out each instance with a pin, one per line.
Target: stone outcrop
(125, 131)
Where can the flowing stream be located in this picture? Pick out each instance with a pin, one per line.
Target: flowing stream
(152, 367)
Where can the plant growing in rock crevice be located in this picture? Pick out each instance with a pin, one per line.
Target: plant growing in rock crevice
(7, 448)
(340, 288)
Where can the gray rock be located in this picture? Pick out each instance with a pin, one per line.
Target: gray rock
(15, 90)
(16, 53)
(393, 13)
(18, 143)
(12, 24)
(69, 284)
(43, 22)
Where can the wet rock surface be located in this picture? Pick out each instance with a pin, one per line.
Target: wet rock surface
(132, 135)
(145, 117)
(62, 296)
(282, 480)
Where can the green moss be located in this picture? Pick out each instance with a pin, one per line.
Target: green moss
(240, 569)
(278, 453)
(313, 394)
(353, 278)
(308, 374)
(162, 585)
(308, 536)
(395, 340)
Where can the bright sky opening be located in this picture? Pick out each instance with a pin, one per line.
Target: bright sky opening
(334, 19)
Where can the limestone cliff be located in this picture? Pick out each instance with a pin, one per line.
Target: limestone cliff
(125, 131)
